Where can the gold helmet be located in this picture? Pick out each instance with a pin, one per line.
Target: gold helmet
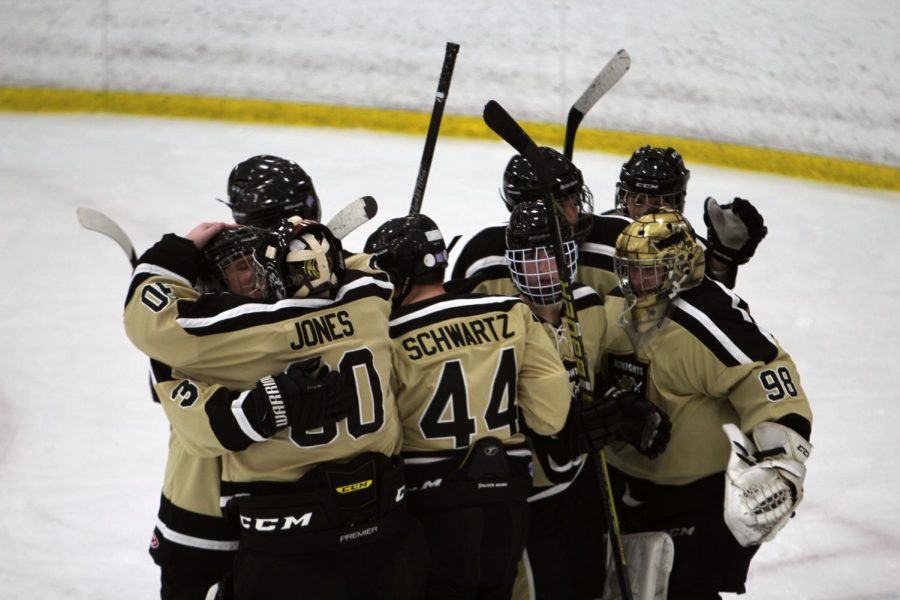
(657, 257)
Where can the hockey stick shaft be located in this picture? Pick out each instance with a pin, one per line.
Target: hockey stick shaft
(500, 121)
(440, 99)
(609, 75)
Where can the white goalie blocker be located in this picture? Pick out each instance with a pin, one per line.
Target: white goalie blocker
(649, 557)
(764, 480)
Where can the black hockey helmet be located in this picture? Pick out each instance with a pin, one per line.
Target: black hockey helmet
(409, 249)
(264, 189)
(300, 259)
(529, 251)
(650, 173)
(520, 184)
(227, 262)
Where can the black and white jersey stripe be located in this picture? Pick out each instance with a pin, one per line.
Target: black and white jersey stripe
(721, 321)
(216, 313)
(447, 307)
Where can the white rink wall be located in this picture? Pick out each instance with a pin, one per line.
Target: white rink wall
(812, 76)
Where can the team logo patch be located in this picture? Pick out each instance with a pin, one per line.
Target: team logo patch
(626, 372)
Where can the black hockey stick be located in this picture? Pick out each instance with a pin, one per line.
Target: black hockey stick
(496, 117)
(356, 213)
(617, 66)
(440, 99)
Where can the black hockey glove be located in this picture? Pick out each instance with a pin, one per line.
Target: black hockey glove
(733, 230)
(599, 424)
(625, 415)
(304, 396)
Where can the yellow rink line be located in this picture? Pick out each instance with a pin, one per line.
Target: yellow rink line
(793, 164)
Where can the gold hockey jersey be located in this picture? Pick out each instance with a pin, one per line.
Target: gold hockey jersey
(467, 365)
(217, 344)
(592, 320)
(706, 364)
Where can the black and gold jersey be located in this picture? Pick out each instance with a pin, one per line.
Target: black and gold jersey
(706, 364)
(467, 365)
(217, 344)
(483, 257)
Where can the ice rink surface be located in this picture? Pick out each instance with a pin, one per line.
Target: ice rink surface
(82, 447)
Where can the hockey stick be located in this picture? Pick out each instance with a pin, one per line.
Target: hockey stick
(94, 220)
(440, 99)
(356, 213)
(617, 66)
(496, 117)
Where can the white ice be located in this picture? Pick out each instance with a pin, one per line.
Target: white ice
(82, 447)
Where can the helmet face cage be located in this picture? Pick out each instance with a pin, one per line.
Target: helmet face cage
(530, 256)
(535, 274)
(645, 202)
(652, 177)
(228, 265)
(657, 257)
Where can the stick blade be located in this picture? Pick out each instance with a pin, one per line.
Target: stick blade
(352, 216)
(94, 220)
(617, 66)
(609, 75)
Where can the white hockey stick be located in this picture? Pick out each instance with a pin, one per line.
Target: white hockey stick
(355, 214)
(95, 220)
(617, 66)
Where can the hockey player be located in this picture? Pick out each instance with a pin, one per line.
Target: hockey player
(565, 551)
(483, 254)
(307, 453)
(471, 372)
(654, 177)
(690, 346)
(193, 544)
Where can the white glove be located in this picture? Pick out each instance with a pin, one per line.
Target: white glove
(764, 481)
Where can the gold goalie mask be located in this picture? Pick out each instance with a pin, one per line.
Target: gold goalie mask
(657, 257)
